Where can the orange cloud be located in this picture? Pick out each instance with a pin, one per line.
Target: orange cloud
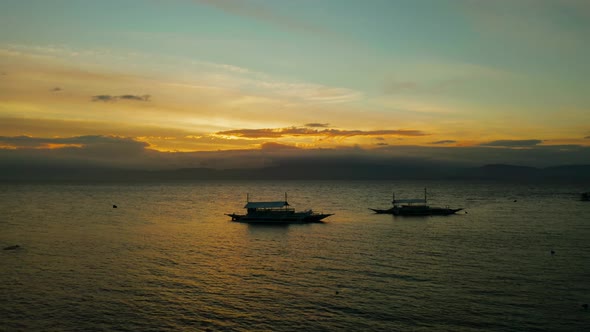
(52, 146)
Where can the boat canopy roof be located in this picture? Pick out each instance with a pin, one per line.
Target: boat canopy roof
(266, 205)
(413, 200)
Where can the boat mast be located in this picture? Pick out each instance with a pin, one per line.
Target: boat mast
(247, 198)
(286, 201)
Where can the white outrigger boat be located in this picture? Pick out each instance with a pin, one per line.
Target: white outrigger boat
(276, 212)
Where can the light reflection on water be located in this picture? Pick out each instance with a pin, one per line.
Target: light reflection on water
(168, 259)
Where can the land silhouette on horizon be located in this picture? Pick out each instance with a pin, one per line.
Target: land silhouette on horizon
(301, 171)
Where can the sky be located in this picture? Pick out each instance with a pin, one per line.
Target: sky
(230, 83)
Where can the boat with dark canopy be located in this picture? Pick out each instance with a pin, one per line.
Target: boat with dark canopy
(415, 207)
(276, 212)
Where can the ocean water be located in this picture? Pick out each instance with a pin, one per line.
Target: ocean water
(168, 259)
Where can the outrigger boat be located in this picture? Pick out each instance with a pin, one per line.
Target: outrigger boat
(415, 207)
(276, 212)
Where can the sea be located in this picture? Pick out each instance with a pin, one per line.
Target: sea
(169, 259)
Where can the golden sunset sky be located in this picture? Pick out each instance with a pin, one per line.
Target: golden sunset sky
(181, 78)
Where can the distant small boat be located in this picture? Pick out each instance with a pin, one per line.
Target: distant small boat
(415, 207)
(586, 196)
(276, 212)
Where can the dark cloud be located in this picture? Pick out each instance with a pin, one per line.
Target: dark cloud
(587, 137)
(294, 131)
(109, 98)
(27, 142)
(538, 156)
(82, 150)
(514, 143)
(381, 144)
(444, 142)
(104, 98)
(56, 89)
(317, 125)
(133, 97)
(126, 152)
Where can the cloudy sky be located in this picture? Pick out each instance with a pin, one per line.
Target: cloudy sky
(180, 81)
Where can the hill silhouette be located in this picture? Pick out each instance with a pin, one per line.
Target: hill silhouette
(299, 171)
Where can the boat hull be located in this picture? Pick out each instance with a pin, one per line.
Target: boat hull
(284, 219)
(388, 211)
(417, 212)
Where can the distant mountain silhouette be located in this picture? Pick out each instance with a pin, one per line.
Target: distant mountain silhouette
(568, 171)
(326, 170)
(501, 171)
